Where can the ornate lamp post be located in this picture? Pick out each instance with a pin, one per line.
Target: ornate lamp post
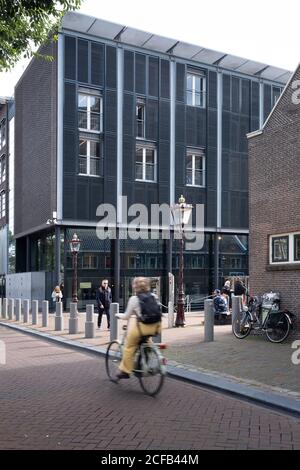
(181, 215)
(75, 247)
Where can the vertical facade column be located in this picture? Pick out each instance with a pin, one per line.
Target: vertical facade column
(172, 129)
(28, 254)
(219, 148)
(57, 255)
(261, 104)
(60, 122)
(216, 261)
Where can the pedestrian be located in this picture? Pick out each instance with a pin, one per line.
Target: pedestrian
(56, 296)
(104, 299)
(220, 305)
(239, 288)
(145, 309)
(226, 290)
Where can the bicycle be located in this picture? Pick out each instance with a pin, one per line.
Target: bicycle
(150, 364)
(275, 323)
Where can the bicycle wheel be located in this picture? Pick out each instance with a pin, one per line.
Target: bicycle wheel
(150, 376)
(113, 358)
(242, 328)
(279, 332)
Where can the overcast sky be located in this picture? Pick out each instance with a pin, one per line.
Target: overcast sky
(263, 30)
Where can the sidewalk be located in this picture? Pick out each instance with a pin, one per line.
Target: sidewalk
(254, 362)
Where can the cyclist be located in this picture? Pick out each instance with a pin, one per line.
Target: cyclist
(147, 322)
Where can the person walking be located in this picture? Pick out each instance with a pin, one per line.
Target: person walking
(104, 300)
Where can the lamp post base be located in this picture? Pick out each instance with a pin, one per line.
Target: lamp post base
(179, 322)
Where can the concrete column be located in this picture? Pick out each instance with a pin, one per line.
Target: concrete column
(59, 319)
(73, 320)
(89, 324)
(216, 261)
(57, 255)
(45, 313)
(18, 308)
(219, 146)
(114, 309)
(11, 306)
(209, 320)
(0, 307)
(26, 304)
(170, 314)
(236, 308)
(4, 308)
(34, 312)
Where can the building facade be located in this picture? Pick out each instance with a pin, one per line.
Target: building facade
(121, 112)
(274, 196)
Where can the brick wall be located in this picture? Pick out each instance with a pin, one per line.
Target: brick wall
(274, 198)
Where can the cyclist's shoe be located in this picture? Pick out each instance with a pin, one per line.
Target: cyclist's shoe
(123, 375)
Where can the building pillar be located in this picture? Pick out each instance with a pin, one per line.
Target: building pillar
(172, 129)
(261, 104)
(117, 266)
(57, 256)
(216, 261)
(219, 147)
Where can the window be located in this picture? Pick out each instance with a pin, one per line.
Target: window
(2, 204)
(89, 261)
(145, 167)
(276, 92)
(196, 89)
(89, 112)
(89, 157)
(2, 133)
(140, 119)
(297, 247)
(2, 169)
(280, 249)
(195, 168)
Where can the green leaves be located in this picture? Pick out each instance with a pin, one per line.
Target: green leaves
(27, 24)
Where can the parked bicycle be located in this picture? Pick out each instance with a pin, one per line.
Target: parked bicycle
(264, 315)
(150, 364)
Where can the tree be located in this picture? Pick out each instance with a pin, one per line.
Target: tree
(26, 24)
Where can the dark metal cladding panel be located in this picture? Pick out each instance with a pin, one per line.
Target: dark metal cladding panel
(235, 95)
(97, 64)
(152, 119)
(70, 58)
(153, 76)
(70, 151)
(96, 196)
(164, 162)
(245, 105)
(110, 117)
(128, 71)
(70, 106)
(212, 89)
(180, 167)
(164, 120)
(226, 92)
(140, 73)
(211, 208)
(180, 82)
(164, 78)
(129, 114)
(110, 160)
(129, 146)
(267, 100)
(111, 67)
(69, 199)
(83, 61)
(180, 123)
(83, 202)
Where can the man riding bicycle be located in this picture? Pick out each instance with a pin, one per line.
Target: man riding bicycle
(147, 322)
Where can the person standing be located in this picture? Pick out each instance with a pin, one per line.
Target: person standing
(104, 299)
(56, 296)
(226, 290)
(240, 289)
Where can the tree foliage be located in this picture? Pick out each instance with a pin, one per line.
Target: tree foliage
(26, 24)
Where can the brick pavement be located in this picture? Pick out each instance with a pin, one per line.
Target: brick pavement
(55, 398)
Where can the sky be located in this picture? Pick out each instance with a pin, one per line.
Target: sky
(262, 30)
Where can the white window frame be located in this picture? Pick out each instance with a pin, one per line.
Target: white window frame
(145, 148)
(194, 75)
(89, 112)
(2, 160)
(194, 154)
(89, 157)
(3, 133)
(2, 204)
(291, 249)
(142, 103)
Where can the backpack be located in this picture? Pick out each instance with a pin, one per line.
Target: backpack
(220, 305)
(150, 309)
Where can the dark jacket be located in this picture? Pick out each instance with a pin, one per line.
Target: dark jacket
(239, 289)
(220, 304)
(103, 298)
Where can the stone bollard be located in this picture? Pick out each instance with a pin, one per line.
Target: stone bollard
(59, 319)
(170, 314)
(45, 313)
(34, 312)
(89, 324)
(4, 308)
(11, 307)
(73, 320)
(209, 320)
(18, 308)
(26, 304)
(114, 309)
(236, 309)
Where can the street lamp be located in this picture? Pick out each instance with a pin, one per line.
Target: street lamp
(75, 247)
(181, 214)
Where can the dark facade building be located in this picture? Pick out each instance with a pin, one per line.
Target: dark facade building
(274, 195)
(124, 112)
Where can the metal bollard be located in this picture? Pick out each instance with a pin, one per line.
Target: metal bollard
(34, 312)
(236, 308)
(59, 319)
(11, 306)
(26, 304)
(4, 308)
(18, 307)
(209, 320)
(170, 314)
(73, 320)
(45, 313)
(114, 309)
(89, 324)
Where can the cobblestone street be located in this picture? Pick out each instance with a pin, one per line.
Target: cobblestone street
(55, 398)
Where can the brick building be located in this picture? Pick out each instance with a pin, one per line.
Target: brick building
(274, 196)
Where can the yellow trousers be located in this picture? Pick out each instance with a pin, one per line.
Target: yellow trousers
(132, 340)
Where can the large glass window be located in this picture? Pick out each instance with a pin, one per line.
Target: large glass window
(2, 204)
(280, 249)
(145, 167)
(196, 89)
(297, 247)
(89, 112)
(2, 133)
(195, 168)
(89, 157)
(276, 92)
(140, 119)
